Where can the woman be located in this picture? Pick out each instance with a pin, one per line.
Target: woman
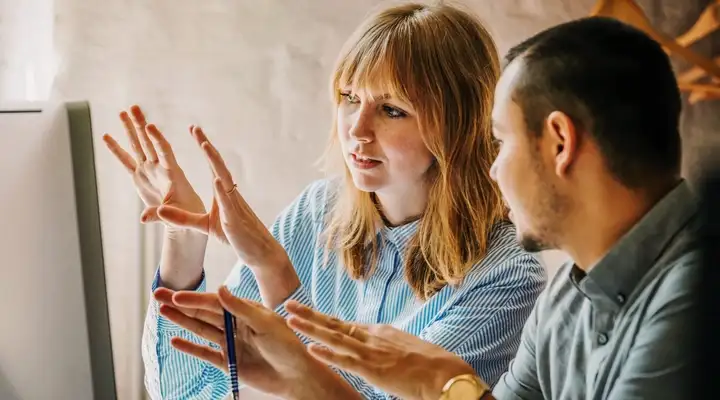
(412, 235)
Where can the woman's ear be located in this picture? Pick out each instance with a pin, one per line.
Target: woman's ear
(563, 139)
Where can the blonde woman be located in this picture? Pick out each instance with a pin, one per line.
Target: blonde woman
(412, 233)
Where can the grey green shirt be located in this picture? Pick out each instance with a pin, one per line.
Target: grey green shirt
(622, 331)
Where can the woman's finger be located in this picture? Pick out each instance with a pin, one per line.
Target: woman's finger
(223, 201)
(132, 137)
(200, 300)
(200, 305)
(198, 134)
(334, 339)
(200, 138)
(149, 214)
(140, 124)
(254, 315)
(359, 331)
(184, 219)
(164, 295)
(209, 317)
(165, 153)
(218, 165)
(202, 352)
(214, 214)
(123, 156)
(342, 361)
(201, 328)
(167, 297)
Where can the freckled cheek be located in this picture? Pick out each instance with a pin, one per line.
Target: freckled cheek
(407, 154)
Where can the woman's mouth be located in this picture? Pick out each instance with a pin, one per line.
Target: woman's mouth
(362, 162)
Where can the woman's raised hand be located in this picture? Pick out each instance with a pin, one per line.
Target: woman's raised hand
(158, 178)
(169, 198)
(230, 219)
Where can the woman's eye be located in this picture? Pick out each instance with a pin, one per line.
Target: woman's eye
(350, 98)
(393, 112)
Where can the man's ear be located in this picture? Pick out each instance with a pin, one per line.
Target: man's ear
(562, 135)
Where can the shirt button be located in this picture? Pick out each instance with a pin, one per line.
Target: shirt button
(602, 339)
(620, 298)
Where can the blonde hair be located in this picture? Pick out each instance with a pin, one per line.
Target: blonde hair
(444, 63)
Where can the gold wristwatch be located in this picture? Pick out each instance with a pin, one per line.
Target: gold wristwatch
(465, 387)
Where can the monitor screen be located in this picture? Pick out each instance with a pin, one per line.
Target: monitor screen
(55, 342)
(707, 347)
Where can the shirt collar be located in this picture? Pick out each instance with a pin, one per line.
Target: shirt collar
(617, 274)
(399, 236)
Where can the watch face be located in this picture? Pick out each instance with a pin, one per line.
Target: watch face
(463, 390)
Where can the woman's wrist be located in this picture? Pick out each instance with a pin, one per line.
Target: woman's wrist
(182, 259)
(187, 237)
(276, 279)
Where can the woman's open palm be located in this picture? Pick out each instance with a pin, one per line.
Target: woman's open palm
(270, 357)
(158, 178)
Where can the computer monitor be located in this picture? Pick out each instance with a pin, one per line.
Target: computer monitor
(707, 347)
(55, 337)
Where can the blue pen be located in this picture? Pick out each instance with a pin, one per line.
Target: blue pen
(232, 361)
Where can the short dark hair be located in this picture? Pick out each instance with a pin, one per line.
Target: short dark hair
(616, 83)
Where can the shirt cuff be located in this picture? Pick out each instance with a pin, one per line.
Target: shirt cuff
(157, 282)
(502, 391)
(164, 324)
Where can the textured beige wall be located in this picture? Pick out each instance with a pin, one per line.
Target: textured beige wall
(254, 74)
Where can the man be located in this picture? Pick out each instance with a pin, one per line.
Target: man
(586, 117)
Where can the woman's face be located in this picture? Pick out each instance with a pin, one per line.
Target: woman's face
(381, 142)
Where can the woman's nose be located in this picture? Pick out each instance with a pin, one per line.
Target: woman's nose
(362, 128)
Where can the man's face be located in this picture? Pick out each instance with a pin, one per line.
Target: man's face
(525, 177)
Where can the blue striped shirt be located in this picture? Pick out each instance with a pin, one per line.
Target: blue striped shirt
(481, 319)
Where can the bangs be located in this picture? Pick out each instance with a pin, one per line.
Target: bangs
(379, 64)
